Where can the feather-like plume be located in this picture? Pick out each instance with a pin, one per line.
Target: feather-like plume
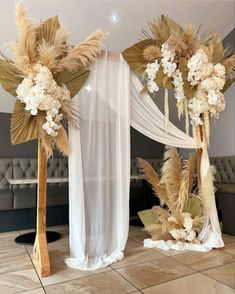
(171, 172)
(186, 182)
(207, 189)
(229, 64)
(83, 54)
(25, 47)
(61, 142)
(153, 179)
(151, 53)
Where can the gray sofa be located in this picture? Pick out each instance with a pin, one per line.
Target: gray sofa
(225, 194)
(17, 202)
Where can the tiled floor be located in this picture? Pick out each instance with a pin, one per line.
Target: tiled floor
(143, 270)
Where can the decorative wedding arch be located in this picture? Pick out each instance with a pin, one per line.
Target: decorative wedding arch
(47, 72)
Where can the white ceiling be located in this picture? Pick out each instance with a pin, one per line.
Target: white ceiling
(82, 17)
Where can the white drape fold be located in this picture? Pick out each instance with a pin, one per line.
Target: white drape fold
(99, 167)
(149, 120)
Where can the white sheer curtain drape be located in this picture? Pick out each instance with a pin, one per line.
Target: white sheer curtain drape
(99, 167)
(149, 120)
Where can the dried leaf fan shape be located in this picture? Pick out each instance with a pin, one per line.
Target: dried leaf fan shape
(43, 109)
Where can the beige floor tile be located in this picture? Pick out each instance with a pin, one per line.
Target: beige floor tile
(140, 237)
(8, 239)
(131, 243)
(15, 282)
(204, 260)
(137, 255)
(103, 283)
(224, 274)
(170, 252)
(15, 263)
(135, 230)
(35, 291)
(229, 248)
(228, 238)
(154, 272)
(61, 272)
(11, 251)
(193, 284)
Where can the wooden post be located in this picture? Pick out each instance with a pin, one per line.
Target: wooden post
(40, 251)
(199, 157)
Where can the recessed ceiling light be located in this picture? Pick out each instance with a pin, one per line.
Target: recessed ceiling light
(114, 18)
(88, 88)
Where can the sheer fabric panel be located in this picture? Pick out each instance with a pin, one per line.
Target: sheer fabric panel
(100, 167)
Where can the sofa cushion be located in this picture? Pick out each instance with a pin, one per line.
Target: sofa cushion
(6, 199)
(225, 187)
(225, 167)
(24, 168)
(5, 172)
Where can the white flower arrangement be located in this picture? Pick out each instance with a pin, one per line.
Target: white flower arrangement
(151, 71)
(40, 92)
(210, 80)
(169, 68)
(186, 233)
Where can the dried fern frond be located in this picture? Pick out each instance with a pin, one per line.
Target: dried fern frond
(25, 47)
(83, 54)
(153, 179)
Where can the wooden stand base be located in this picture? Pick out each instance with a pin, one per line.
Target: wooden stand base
(41, 255)
(40, 251)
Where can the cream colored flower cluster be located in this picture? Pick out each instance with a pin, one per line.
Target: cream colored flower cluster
(151, 71)
(40, 92)
(186, 233)
(169, 68)
(210, 80)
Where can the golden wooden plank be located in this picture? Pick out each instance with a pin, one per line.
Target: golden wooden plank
(40, 251)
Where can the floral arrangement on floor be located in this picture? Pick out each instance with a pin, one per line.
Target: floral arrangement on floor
(182, 210)
(44, 76)
(196, 66)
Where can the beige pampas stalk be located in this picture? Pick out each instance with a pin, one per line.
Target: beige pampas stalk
(83, 54)
(61, 141)
(25, 47)
(186, 182)
(153, 179)
(171, 172)
(48, 55)
(151, 53)
(207, 189)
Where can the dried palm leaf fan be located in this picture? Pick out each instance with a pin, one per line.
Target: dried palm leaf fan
(180, 202)
(42, 111)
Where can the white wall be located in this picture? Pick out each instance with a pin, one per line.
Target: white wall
(222, 141)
